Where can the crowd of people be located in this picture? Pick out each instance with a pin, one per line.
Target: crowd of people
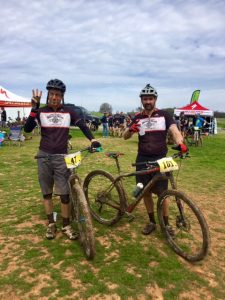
(185, 122)
(115, 124)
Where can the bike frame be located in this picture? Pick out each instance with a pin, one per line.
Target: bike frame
(158, 176)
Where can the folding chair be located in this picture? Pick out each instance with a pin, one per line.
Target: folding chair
(15, 136)
(2, 137)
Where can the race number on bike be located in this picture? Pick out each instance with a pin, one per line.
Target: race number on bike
(73, 160)
(167, 164)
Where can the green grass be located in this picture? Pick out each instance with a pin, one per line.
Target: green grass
(221, 122)
(127, 264)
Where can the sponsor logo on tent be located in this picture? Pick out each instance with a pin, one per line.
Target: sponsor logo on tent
(3, 92)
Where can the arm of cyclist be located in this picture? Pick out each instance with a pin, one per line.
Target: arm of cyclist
(87, 132)
(178, 138)
(133, 128)
(35, 103)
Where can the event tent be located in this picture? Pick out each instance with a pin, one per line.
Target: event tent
(8, 99)
(195, 108)
(14, 104)
(192, 109)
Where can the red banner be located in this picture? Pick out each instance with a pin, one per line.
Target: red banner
(14, 104)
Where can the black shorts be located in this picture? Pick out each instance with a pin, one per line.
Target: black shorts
(160, 185)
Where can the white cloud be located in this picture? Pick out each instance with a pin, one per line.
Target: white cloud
(106, 49)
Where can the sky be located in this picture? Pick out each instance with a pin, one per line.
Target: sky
(107, 51)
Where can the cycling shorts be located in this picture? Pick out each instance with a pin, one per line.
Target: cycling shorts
(53, 174)
(160, 185)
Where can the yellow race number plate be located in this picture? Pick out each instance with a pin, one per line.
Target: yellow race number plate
(167, 164)
(73, 160)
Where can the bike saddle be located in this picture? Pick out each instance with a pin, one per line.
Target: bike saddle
(114, 154)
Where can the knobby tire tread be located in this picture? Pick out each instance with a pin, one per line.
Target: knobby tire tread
(108, 176)
(199, 216)
(86, 237)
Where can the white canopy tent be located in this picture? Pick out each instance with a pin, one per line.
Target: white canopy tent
(14, 104)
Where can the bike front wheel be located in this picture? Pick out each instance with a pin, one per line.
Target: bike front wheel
(189, 139)
(81, 214)
(187, 233)
(104, 197)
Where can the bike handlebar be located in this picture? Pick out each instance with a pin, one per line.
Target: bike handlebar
(155, 164)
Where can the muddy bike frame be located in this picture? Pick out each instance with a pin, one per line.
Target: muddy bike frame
(152, 167)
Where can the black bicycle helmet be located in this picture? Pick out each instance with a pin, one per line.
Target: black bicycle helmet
(56, 84)
(148, 90)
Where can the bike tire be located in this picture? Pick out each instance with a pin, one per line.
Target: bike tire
(191, 238)
(200, 140)
(81, 214)
(189, 140)
(104, 202)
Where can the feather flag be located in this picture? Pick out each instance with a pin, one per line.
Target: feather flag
(195, 96)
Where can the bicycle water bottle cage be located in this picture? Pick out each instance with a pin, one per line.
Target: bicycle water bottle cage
(114, 154)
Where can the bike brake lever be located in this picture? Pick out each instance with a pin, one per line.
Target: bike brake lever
(93, 150)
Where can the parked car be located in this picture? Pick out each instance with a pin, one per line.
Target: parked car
(92, 121)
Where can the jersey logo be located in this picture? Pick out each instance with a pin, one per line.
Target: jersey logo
(153, 124)
(55, 119)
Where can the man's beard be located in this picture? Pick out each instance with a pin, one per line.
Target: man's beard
(149, 107)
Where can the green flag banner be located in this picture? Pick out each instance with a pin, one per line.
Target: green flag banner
(195, 96)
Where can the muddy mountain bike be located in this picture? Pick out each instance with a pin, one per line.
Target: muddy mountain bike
(108, 202)
(80, 213)
(193, 136)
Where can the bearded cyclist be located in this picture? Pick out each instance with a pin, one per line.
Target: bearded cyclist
(152, 126)
(55, 120)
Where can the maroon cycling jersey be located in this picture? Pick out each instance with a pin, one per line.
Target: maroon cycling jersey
(55, 127)
(154, 127)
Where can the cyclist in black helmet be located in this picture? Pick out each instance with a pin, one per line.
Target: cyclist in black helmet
(55, 120)
(152, 126)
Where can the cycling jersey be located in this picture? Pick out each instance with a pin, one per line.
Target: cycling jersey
(199, 122)
(55, 127)
(153, 142)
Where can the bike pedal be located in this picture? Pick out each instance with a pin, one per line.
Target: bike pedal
(129, 216)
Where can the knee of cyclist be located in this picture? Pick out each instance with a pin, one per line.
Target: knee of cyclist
(65, 199)
(47, 196)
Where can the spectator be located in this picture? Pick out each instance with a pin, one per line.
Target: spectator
(3, 118)
(105, 125)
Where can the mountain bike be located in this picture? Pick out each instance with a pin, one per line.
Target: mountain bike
(193, 136)
(108, 202)
(80, 213)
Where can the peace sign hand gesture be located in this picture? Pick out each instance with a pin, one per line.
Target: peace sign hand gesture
(36, 99)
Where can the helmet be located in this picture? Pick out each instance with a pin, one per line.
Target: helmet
(148, 90)
(56, 84)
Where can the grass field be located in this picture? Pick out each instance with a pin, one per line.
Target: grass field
(127, 265)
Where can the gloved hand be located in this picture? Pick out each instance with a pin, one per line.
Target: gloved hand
(95, 144)
(135, 127)
(183, 148)
(36, 99)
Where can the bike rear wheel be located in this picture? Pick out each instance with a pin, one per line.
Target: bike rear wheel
(103, 196)
(189, 139)
(191, 237)
(81, 214)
